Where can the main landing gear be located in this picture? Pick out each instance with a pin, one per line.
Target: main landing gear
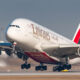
(41, 67)
(25, 66)
(63, 67)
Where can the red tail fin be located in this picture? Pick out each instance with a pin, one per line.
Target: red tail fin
(76, 38)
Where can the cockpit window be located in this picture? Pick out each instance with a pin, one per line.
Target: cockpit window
(15, 26)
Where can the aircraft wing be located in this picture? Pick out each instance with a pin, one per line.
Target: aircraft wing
(60, 50)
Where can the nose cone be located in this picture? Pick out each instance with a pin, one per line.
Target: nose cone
(10, 34)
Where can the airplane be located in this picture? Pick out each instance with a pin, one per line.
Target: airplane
(28, 39)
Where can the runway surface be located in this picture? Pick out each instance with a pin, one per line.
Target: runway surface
(40, 76)
(49, 77)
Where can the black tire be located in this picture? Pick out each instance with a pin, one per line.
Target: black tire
(60, 68)
(55, 68)
(44, 67)
(37, 68)
(22, 66)
(27, 66)
(68, 66)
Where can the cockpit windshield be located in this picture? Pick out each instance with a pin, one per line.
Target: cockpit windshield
(14, 26)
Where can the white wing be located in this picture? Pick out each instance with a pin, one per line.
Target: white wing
(60, 50)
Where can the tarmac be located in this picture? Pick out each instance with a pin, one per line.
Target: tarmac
(49, 77)
(40, 76)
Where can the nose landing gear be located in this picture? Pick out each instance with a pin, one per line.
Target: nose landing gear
(25, 65)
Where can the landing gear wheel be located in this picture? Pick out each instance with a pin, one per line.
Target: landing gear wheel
(22, 66)
(69, 67)
(42, 68)
(37, 68)
(58, 68)
(62, 67)
(25, 66)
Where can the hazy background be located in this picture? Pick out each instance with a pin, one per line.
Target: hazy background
(62, 16)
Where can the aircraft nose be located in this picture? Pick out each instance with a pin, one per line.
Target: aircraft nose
(10, 33)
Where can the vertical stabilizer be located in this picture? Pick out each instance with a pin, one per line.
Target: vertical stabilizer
(76, 37)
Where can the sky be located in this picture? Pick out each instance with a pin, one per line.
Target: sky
(61, 16)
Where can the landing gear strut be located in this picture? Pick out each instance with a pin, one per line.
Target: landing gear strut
(25, 65)
(62, 66)
(41, 67)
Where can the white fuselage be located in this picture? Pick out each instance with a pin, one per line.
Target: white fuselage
(29, 36)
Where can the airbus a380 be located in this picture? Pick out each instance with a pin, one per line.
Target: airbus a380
(28, 39)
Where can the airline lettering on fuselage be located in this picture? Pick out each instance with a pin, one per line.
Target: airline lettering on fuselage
(39, 32)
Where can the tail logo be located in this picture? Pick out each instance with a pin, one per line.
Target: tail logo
(77, 37)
